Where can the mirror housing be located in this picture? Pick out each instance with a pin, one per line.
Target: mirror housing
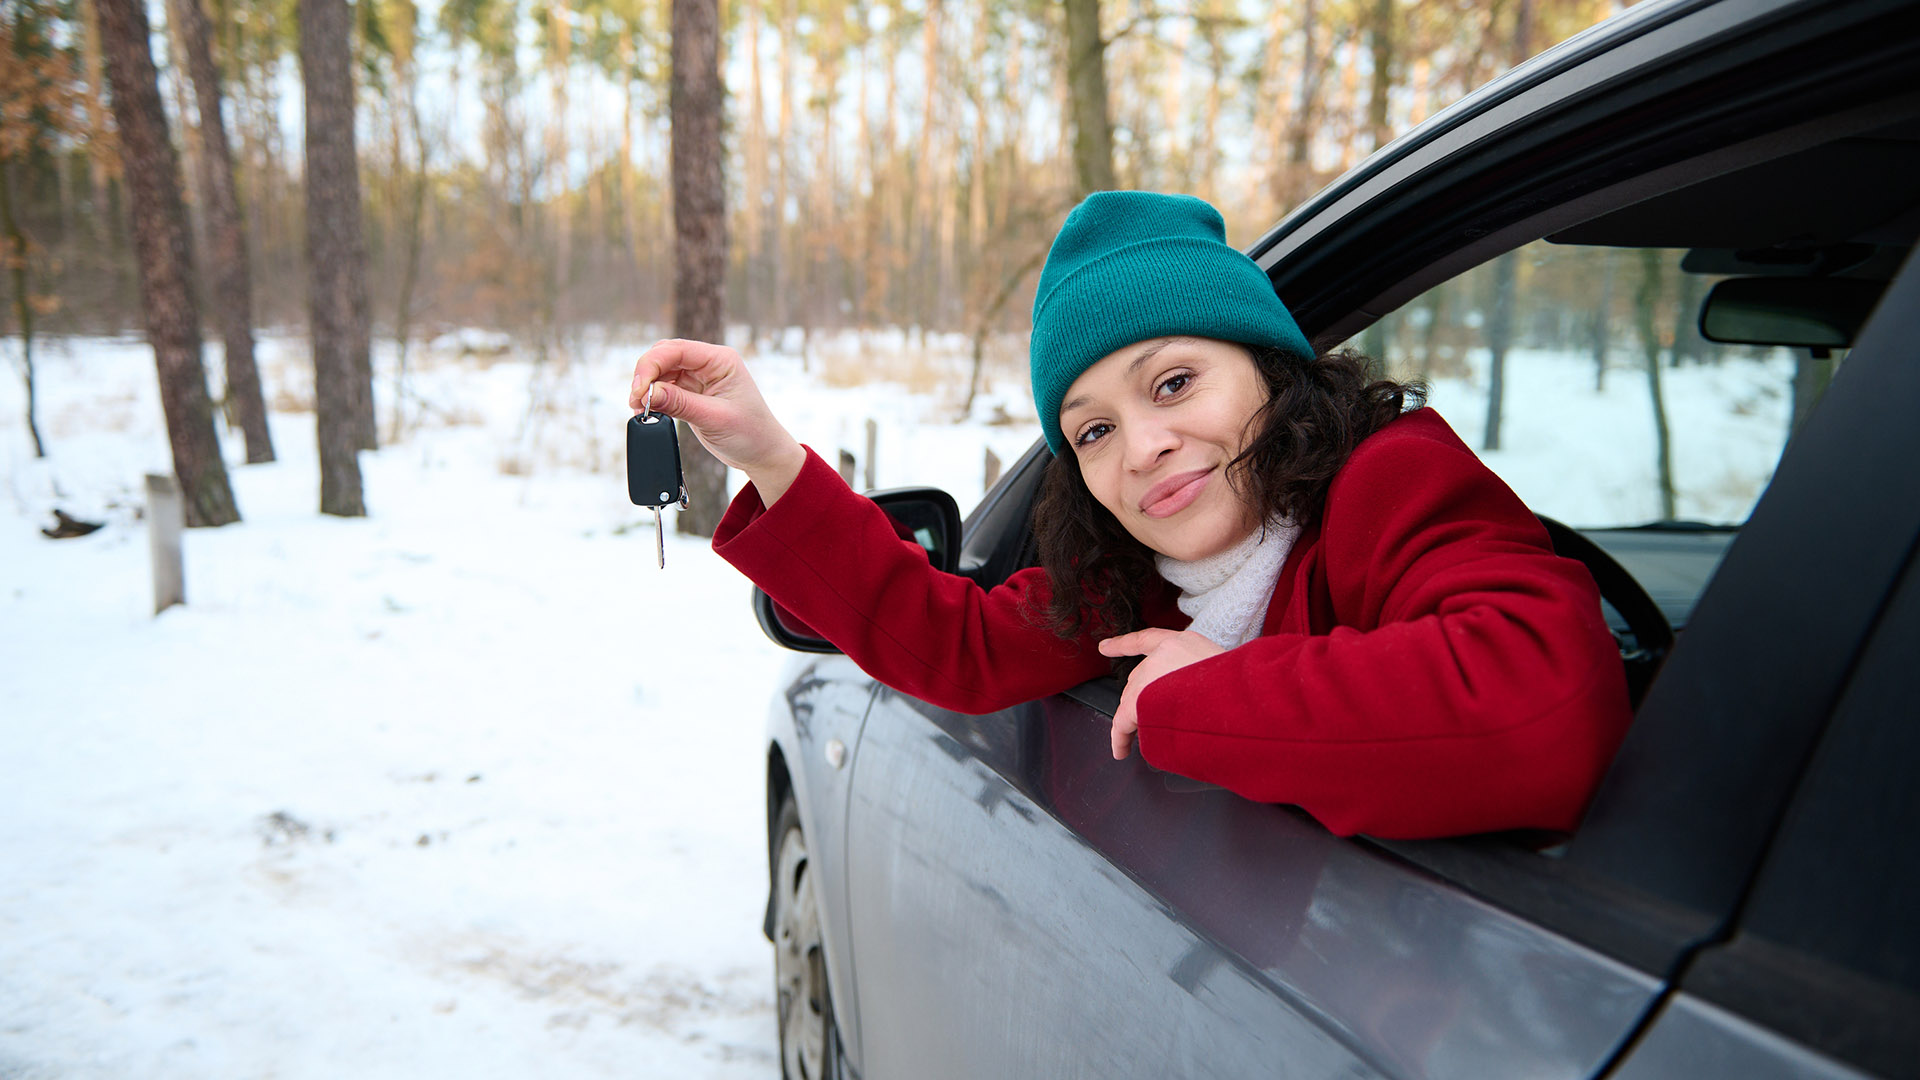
(927, 516)
(1814, 313)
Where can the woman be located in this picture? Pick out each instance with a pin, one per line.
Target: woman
(1335, 604)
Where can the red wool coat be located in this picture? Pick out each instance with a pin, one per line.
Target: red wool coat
(1427, 667)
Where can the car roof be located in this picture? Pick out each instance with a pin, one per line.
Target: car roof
(1637, 108)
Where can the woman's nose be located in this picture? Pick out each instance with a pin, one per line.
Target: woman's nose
(1147, 443)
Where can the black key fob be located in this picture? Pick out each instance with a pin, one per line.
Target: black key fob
(653, 470)
(653, 461)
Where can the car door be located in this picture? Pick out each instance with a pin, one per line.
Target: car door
(1023, 905)
(1820, 977)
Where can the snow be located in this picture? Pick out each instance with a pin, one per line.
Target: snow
(468, 787)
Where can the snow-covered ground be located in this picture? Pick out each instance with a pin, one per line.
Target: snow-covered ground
(468, 787)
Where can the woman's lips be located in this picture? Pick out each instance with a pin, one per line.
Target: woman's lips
(1174, 494)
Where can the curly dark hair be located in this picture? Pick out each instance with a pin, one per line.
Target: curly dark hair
(1316, 413)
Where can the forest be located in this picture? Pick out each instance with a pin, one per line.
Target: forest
(887, 162)
(387, 170)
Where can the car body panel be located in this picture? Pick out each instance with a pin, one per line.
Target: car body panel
(824, 701)
(1033, 875)
(1692, 1038)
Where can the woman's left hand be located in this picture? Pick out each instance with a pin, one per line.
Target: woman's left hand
(1165, 650)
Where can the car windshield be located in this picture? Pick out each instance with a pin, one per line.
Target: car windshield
(1579, 375)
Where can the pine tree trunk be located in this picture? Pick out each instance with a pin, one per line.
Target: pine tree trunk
(229, 273)
(99, 221)
(1644, 304)
(166, 262)
(336, 237)
(1087, 80)
(1499, 339)
(14, 256)
(1380, 41)
(756, 216)
(700, 229)
(336, 254)
(782, 171)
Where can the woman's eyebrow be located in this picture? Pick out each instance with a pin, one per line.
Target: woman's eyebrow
(1146, 354)
(1150, 352)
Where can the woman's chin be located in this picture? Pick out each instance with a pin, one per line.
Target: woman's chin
(1192, 545)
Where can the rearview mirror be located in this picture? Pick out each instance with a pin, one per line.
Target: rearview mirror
(1818, 313)
(927, 516)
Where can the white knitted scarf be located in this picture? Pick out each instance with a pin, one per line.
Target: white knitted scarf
(1227, 594)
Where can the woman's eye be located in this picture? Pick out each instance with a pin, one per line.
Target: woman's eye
(1091, 434)
(1173, 384)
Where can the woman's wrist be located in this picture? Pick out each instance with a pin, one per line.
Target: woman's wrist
(774, 478)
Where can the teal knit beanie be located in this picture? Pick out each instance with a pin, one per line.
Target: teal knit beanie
(1134, 265)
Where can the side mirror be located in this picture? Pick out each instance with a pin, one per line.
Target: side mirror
(927, 516)
(1817, 313)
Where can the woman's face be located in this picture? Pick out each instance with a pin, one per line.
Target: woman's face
(1154, 427)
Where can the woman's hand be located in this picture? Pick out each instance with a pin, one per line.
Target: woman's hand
(1165, 650)
(707, 387)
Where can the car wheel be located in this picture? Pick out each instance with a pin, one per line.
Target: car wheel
(809, 1042)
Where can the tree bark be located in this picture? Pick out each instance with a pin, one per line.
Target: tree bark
(165, 260)
(336, 255)
(229, 273)
(14, 256)
(699, 229)
(1644, 304)
(1380, 41)
(1499, 339)
(100, 230)
(1087, 78)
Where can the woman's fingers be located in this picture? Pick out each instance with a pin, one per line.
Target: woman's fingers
(1125, 723)
(1138, 643)
(698, 365)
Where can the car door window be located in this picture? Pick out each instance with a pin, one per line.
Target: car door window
(1579, 375)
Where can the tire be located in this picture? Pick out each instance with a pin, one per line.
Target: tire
(809, 1039)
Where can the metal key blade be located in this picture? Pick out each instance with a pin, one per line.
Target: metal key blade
(660, 538)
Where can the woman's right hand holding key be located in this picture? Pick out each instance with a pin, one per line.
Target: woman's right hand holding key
(707, 387)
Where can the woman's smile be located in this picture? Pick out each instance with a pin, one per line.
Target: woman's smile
(1175, 493)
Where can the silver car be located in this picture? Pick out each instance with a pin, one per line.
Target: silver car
(1718, 182)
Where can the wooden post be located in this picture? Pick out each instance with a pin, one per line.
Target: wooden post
(873, 434)
(993, 469)
(846, 467)
(165, 518)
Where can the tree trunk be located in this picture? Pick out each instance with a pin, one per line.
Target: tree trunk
(229, 273)
(1087, 78)
(336, 237)
(166, 262)
(776, 236)
(1298, 181)
(699, 228)
(14, 256)
(1644, 304)
(336, 254)
(1380, 40)
(100, 230)
(757, 217)
(1603, 323)
(1499, 338)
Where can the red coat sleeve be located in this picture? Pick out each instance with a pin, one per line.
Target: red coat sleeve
(1469, 683)
(833, 559)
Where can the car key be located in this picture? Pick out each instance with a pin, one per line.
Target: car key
(653, 468)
